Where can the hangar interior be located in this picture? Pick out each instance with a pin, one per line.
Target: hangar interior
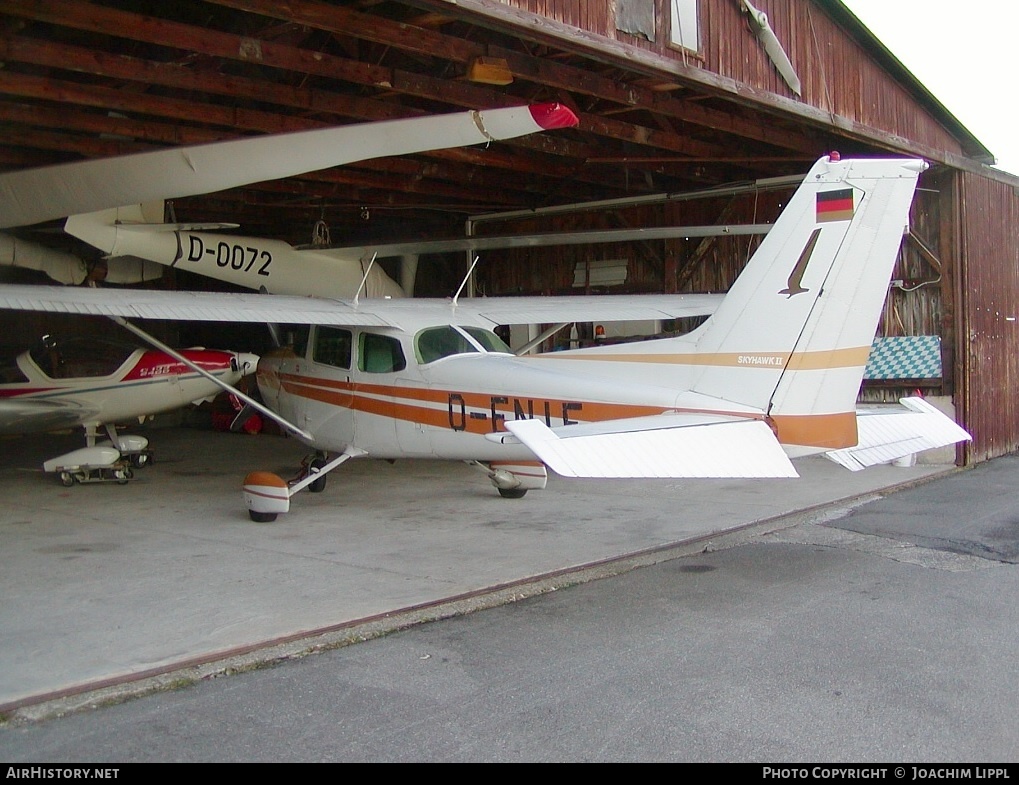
(685, 119)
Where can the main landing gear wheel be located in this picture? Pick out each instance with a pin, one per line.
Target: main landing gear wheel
(512, 493)
(319, 485)
(262, 517)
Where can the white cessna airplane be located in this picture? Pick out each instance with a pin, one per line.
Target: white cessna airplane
(773, 373)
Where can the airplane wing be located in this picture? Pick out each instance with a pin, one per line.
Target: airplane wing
(591, 308)
(888, 434)
(185, 306)
(292, 309)
(666, 446)
(34, 415)
(30, 196)
(540, 240)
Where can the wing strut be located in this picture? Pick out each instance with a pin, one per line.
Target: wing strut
(467, 277)
(546, 334)
(364, 278)
(218, 382)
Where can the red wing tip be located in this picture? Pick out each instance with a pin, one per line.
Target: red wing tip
(554, 115)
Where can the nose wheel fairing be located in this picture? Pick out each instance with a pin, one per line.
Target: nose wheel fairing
(266, 495)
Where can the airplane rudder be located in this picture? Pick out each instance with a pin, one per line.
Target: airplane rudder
(830, 252)
(815, 400)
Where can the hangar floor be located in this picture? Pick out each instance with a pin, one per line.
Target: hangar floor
(109, 588)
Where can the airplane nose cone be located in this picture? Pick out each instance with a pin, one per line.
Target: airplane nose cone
(247, 362)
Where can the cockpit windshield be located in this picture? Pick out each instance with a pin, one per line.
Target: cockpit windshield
(435, 343)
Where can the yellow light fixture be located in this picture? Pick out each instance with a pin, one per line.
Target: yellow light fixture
(490, 70)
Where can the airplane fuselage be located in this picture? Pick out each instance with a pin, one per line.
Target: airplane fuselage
(454, 406)
(256, 263)
(55, 387)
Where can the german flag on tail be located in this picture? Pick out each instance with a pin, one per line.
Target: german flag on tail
(835, 205)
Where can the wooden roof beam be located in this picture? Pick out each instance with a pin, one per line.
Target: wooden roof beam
(536, 69)
(213, 43)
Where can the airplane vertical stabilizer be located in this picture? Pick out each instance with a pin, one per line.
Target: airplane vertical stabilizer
(788, 345)
(793, 334)
(790, 340)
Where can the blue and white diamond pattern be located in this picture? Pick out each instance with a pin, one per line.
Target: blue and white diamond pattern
(905, 357)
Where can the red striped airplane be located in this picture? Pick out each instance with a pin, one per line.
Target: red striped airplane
(95, 384)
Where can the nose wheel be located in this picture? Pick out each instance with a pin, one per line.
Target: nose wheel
(267, 495)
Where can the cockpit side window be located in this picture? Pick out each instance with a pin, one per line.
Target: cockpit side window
(438, 342)
(333, 346)
(380, 354)
(296, 337)
(488, 339)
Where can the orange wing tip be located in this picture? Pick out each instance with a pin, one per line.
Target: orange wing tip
(553, 115)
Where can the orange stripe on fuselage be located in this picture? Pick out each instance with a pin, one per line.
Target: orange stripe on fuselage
(834, 358)
(797, 361)
(828, 431)
(457, 407)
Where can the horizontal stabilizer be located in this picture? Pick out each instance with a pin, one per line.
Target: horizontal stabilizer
(888, 435)
(745, 448)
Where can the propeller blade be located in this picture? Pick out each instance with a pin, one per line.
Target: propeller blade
(762, 29)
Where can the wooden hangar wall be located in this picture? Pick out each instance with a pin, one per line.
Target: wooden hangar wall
(987, 319)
